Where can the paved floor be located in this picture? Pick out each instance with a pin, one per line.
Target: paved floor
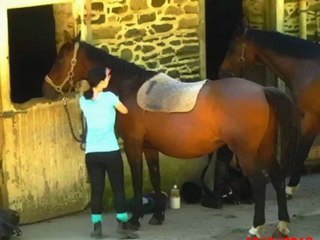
(195, 222)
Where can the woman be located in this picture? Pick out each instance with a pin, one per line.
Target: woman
(102, 150)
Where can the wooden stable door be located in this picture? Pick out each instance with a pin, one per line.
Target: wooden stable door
(42, 170)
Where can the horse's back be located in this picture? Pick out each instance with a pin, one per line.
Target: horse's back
(233, 83)
(231, 91)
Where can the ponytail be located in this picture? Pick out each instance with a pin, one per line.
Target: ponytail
(88, 94)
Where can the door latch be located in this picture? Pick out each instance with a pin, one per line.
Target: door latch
(9, 114)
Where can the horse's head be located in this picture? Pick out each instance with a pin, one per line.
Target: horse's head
(76, 58)
(65, 71)
(241, 53)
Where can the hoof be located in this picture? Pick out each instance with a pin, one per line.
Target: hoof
(278, 235)
(291, 190)
(155, 221)
(253, 236)
(133, 225)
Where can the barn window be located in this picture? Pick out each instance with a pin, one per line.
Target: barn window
(32, 50)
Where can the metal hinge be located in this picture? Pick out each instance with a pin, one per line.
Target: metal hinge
(1, 177)
(1, 173)
(9, 114)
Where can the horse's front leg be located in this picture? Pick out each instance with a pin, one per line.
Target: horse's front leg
(133, 150)
(302, 154)
(258, 183)
(160, 199)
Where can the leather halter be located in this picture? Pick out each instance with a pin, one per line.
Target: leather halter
(58, 88)
(69, 77)
(242, 57)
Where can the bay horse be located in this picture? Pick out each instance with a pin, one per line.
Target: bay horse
(297, 62)
(233, 111)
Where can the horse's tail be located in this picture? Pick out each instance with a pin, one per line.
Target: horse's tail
(289, 123)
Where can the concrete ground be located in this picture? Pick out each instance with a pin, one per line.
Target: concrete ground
(195, 222)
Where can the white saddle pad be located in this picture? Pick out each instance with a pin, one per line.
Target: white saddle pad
(165, 94)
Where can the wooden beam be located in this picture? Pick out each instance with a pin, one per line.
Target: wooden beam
(303, 19)
(268, 16)
(4, 62)
(279, 7)
(202, 38)
(8, 4)
(88, 25)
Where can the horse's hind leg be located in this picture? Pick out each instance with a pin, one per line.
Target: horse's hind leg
(160, 200)
(277, 176)
(221, 175)
(302, 154)
(258, 182)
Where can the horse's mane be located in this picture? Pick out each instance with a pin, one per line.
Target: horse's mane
(284, 44)
(130, 73)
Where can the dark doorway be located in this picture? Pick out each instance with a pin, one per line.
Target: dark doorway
(222, 19)
(32, 49)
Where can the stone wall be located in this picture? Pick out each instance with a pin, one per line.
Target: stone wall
(64, 21)
(161, 35)
(291, 23)
(255, 11)
(165, 35)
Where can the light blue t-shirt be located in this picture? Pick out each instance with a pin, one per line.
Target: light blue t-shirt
(100, 114)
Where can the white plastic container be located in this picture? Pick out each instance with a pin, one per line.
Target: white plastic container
(175, 198)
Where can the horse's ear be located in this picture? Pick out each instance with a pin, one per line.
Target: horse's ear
(242, 27)
(78, 37)
(245, 22)
(67, 37)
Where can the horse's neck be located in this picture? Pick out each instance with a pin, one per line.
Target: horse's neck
(126, 85)
(276, 64)
(291, 70)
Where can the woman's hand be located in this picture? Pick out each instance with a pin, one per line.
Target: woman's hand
(108, 73)
(122, 108)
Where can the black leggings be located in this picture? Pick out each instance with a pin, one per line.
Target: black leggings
(97, 164)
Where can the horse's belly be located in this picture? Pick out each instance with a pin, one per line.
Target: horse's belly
(185, 148)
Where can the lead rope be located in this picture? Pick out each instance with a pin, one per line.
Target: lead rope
(82, 138)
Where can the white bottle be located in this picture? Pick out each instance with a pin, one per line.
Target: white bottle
(175, 197)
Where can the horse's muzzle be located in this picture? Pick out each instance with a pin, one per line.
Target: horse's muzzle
(48, 91)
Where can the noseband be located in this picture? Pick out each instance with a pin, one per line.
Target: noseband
(69, 77)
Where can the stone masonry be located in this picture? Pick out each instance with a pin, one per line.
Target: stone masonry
(160, 35)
